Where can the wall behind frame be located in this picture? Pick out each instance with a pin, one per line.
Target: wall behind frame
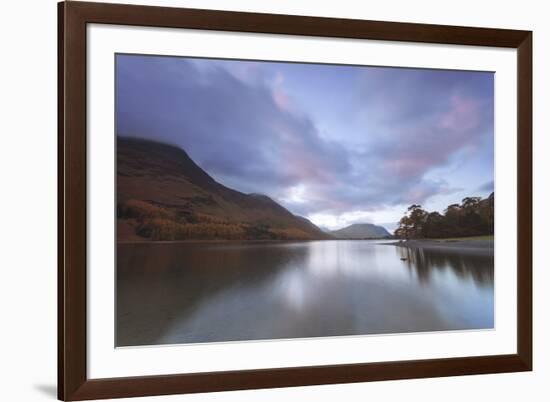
(28, 199)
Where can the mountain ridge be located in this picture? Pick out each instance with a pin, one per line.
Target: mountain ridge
(361, 231)
(162, 194)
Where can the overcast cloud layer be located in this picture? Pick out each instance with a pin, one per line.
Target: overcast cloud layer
(337, 144)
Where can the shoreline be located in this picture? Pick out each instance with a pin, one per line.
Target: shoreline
(466, 245)
(473, 246)
(213, 241)
(237, 241)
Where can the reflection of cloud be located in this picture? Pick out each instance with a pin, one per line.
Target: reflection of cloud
(330, 262)
(241, 122)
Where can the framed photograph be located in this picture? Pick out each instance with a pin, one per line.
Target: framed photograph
(253, 200)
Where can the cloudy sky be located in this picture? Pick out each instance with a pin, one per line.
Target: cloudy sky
(336, 144)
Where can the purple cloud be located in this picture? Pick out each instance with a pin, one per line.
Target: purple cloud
(258, 127)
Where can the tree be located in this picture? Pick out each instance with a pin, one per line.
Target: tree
(470, 203)
(473, 217)
(410, 226)
(435, 225)
(405, 228)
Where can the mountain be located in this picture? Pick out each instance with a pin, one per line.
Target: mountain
(162, 194)
(361, 231)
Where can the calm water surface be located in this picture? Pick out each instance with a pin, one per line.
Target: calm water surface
(208, 292)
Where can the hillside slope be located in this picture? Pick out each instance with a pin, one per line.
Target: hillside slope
(162, 194)
(361, 231)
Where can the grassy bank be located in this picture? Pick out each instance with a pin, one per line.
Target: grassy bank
(452, 239)
(482, 245)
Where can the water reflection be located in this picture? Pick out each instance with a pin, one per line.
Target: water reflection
(207, 292)
(464, 263)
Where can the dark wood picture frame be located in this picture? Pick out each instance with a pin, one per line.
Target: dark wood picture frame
(73, 383)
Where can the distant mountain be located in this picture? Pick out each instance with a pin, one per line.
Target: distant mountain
(162, 194)
(361, 231)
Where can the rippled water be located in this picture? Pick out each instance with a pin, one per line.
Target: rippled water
(208, 292)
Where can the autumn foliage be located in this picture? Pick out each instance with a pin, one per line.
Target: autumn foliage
(155, 222)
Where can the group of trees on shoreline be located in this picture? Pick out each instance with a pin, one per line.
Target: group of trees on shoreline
(473, 217)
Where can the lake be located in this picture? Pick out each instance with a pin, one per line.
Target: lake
(171, 293)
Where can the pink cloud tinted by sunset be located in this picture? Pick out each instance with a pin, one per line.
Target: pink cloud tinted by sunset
(323, 138)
